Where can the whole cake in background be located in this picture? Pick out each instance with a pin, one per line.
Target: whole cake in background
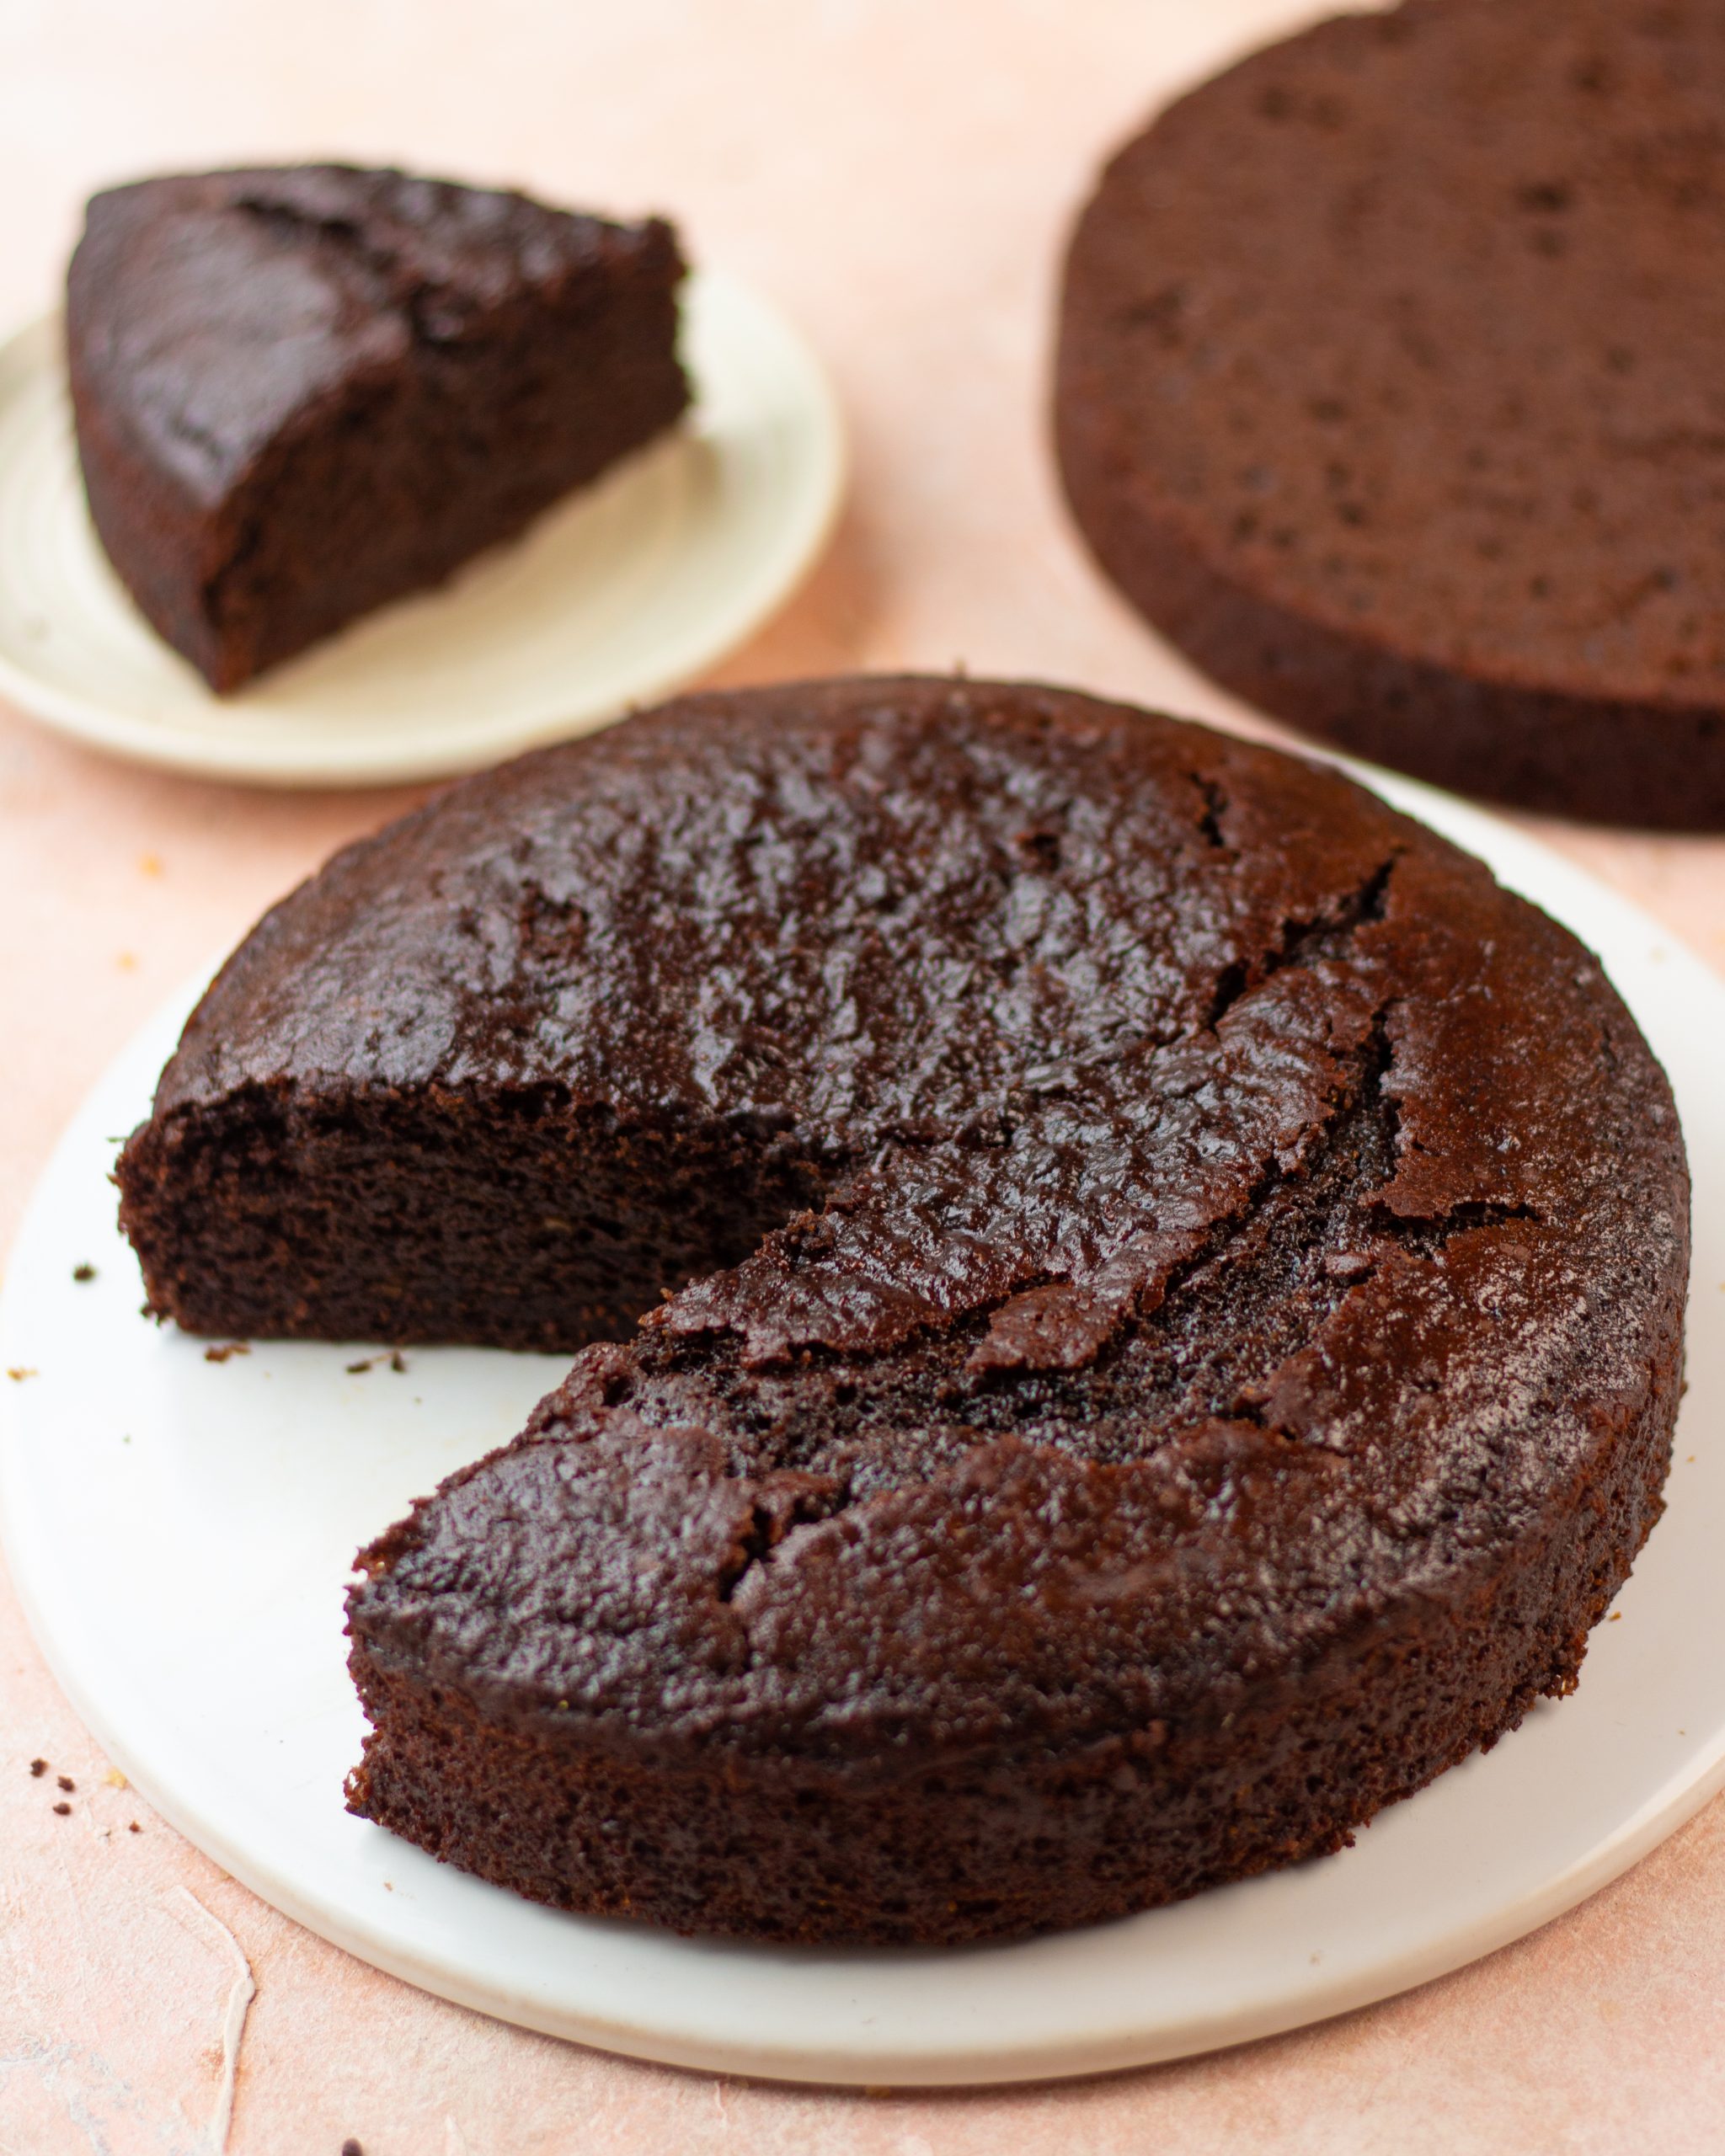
(1389, 387)
(301, 394)
(1164, 1292)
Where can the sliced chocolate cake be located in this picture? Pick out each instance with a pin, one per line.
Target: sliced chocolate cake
(301, 394)
(1388, 387)
(1163, 1291)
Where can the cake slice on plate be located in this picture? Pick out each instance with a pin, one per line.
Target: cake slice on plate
(301, 394)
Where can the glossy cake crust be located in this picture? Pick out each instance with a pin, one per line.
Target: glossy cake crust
(1175, 1315)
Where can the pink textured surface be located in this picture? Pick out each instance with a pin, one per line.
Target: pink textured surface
(898, 176)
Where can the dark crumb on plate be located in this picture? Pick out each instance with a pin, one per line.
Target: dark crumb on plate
(399, 1362)
(63, 1808)
(66, 1783)
(352, 2148)
(133, 1827)
(228, 1347)
(86, 1272)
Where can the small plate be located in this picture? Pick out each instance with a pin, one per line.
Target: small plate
(631, 587)
(180, 1531)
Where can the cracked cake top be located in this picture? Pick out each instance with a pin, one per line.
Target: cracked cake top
(1233, 1214)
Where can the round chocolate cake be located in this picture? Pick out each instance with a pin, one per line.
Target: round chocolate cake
(1164, 1292)
(1388, 388)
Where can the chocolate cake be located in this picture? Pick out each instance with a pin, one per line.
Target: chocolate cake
(301, 393)
(1163, 1288)
(1388, 388)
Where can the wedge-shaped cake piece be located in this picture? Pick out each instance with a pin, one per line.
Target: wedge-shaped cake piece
(301, 394)
(1165, 1292)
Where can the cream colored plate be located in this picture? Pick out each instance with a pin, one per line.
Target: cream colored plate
(180, 1532)
(630, 587)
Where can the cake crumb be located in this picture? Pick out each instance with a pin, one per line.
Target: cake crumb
(17, 1373)
(63, 1808)
(38, 1767)
(133, 1827)
(115, 1779)
(66, 1783)
(84, 1272)
(227, 1347)
(392, 1356)
(352, 2148)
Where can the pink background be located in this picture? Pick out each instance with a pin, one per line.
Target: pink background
(898, 174)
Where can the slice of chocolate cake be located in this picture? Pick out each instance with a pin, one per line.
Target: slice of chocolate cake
(1176, 1287)
(1388, 387)
(301, 393)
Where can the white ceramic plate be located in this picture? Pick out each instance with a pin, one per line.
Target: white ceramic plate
(628, 589)
(181, 1530)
